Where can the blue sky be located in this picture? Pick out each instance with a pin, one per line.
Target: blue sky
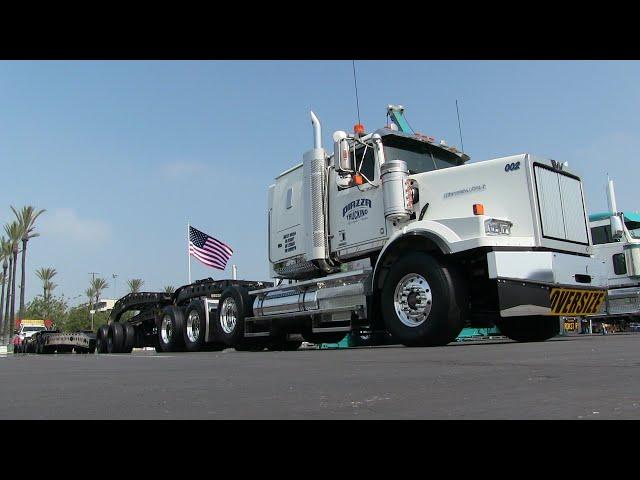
(123, 154)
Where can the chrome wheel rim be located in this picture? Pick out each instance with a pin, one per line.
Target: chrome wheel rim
(228, 315)
(412, 300)
(166, 329)
(193, 326)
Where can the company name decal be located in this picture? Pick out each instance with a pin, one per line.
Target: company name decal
(357, 209)
(475, 188)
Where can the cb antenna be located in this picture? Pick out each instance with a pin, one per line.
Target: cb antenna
(355, 83)
(459, 126)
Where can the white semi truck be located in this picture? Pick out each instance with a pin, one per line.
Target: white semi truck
(391, 231)
(616, 239)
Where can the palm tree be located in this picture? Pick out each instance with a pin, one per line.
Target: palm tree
(169, 289)
(46, 274)
(27, 219)
(98, 285)
(90, 293)
(2, 280)
(135, 284)
(14, 232)
(6, 250)
(5, 255)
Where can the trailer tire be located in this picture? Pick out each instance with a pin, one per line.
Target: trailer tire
(529, 328)
(194, 329)
(423, 300)
(234, 306)
(170, 325)
(115, 338)
(101, 339)
(129, 337)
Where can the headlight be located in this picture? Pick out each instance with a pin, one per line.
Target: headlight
(493, 226)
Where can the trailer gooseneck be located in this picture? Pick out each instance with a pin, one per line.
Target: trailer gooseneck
(391, 232)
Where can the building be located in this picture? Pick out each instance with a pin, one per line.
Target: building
(104, 305)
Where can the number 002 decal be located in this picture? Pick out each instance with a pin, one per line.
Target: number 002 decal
(570, 302)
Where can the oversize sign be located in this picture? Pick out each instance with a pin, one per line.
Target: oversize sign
(573, 302)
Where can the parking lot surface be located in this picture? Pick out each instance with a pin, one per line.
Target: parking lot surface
(582, 377)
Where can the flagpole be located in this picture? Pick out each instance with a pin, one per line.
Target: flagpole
(188, 253)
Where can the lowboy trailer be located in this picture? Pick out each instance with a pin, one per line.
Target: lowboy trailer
(55, 341)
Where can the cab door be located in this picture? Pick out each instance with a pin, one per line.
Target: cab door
(357, 223)
(611, 252)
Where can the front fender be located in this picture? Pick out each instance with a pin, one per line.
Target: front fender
(440, 235)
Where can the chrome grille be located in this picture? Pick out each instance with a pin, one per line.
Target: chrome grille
(561, 208)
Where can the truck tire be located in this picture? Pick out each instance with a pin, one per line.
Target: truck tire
(194, 326)
(115, 338)
(529, 328)
(423, 301)
(170, 325)
(101, 339)
(233, 307)
(129, 337)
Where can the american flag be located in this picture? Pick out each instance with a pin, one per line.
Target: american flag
(208, 250)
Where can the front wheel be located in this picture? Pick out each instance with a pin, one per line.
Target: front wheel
(423, 301)
(529, 328)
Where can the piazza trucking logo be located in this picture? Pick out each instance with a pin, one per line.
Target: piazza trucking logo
(356, 210)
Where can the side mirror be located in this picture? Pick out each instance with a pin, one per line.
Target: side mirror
(341, 154)
(617, 228)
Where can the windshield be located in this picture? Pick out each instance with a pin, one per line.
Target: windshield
(420, 157)
(32, 329)
(634, 229)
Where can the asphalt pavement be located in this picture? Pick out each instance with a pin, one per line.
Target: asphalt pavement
(581, 377)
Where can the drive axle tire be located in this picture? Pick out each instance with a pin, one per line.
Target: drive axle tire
(115, 338)
(101, 339)
(170, 326)
(194, 327)
(233, 307)
(529, 328)
(423, 301)
(129, 337)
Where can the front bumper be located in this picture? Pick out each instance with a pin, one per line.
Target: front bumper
(623, 301)
(547, 283)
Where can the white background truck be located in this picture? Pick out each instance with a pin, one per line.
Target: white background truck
(392, 231)
(616, 239)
